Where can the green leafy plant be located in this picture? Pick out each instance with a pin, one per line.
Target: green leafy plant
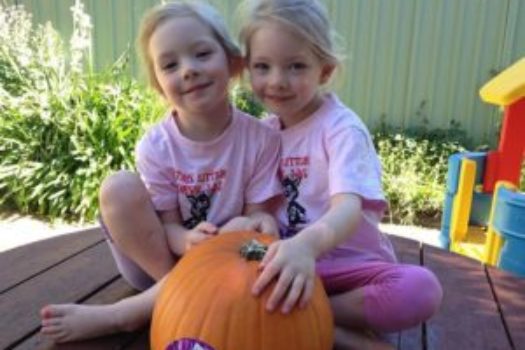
(63, 128)
(415, 164)
(244, 99)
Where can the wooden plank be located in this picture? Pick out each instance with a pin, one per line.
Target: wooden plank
(21, 263)
(408, 252)
(112, 342)
(468, 317)
(115, 291)
(510, 293)
(67, 282)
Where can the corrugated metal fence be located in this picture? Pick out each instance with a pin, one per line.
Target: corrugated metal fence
(409, 62)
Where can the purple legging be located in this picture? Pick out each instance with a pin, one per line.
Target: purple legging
(130, 270)
(396, 296)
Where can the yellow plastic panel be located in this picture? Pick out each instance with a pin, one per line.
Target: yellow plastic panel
(494, 239)
(463, 201)
(507, 87)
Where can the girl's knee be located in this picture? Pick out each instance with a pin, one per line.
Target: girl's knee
(422, 296)
(122, 190)
(412, 299)
(426, 291)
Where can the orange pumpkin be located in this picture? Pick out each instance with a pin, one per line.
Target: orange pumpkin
(206, 303)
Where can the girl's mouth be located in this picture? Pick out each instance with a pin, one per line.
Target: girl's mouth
(197, 88)
(278, 98)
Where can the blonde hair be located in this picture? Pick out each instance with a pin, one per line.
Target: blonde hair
(201, 11)
(307, 18)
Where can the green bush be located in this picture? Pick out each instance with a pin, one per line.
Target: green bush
(63, 128)
(415, 169)
(244, 99)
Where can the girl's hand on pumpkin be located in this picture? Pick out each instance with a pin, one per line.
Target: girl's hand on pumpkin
(203, 231)
(293, 264)
(265, 223)
(260, 222)
(238, 223)
(260, 214)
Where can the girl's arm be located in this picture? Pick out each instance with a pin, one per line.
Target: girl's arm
(292, 261)
(179, 238)
(335, 226)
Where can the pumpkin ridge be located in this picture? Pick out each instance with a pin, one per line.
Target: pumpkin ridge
(231, 310)
(167, 308)
(245, 307)
(188, 282)
(210, 313)
(221, 305)
(211, 284)
(318, 314)
(170, 308)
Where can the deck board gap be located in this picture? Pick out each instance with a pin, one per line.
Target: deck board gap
(98, 289)
(424, 336)
(424, 340)
(49, 267)
(22, 339)
(498, 305)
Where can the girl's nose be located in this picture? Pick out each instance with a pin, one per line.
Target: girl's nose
(278, 79)
(189, 69)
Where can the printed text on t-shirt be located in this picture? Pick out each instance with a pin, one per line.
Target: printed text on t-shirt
(192, 184)
(295, 167)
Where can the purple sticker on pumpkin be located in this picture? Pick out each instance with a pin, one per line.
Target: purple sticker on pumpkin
(189, 344)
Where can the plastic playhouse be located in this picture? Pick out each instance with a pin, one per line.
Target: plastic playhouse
(484, 213)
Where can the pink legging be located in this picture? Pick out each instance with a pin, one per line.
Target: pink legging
(396, 296)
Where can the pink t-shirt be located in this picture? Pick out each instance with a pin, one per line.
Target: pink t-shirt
(332, 152)
(212, 180)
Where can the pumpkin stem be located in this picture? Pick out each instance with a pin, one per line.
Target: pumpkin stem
(253, 250)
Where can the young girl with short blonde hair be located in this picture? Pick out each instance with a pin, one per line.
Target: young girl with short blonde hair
(205, 168)
(331, 176)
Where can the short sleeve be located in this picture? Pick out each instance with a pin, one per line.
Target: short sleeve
(264, 182)
(151, 164)
(354, 166)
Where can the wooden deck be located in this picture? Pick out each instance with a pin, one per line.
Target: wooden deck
(483, 308)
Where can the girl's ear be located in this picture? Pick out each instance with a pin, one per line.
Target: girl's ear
(326, 73)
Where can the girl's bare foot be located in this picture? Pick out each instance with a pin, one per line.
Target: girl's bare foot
(69, 322)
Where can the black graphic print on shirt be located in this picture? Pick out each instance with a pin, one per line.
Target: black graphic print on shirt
(294, 171)
(296, 212)
(196, 191)
(200, 204)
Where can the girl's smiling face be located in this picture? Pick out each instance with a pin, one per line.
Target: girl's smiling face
(285, 74)
(190, 65)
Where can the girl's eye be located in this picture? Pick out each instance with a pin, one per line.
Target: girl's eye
(297, 66)
(203, 54)
(169, 66)
(260, 66)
